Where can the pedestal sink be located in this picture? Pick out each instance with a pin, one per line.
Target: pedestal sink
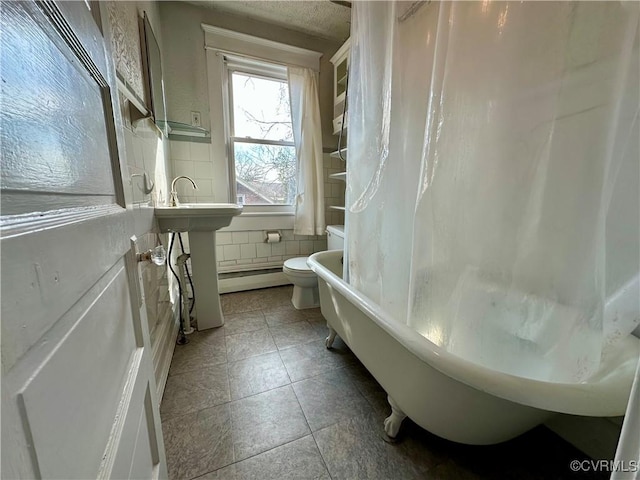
(201, 220)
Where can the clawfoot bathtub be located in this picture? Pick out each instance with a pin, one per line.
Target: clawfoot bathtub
(447, 395)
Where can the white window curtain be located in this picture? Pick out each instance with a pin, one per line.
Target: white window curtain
(307, 134)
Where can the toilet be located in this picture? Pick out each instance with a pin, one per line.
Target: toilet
(305, 282)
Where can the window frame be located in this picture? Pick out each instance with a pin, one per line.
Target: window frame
(259, 69)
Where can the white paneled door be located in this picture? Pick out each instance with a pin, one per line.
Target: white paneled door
(78, 392)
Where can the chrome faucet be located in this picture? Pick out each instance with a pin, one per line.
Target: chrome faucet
(173, 201)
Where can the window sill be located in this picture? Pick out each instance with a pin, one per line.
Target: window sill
(267, 213)
(261, 220)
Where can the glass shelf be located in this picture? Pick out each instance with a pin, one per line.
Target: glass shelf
(178, 131)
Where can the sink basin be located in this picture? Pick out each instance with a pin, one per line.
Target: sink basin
(196, 217)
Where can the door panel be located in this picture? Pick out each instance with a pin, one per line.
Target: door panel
(137, 455)
(78, 390)
(87, 32)
(84, 376)
(51, 264)
(53, 114)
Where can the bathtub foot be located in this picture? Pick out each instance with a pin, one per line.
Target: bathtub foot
(392, 422)
(328, 342)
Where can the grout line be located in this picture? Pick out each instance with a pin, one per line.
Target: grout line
(324, 461)
(233, 450)
(266, 451)
(291, 382)
(260, 393)
(302, 410)
(288, 374)
(226, 364)
(253, 356)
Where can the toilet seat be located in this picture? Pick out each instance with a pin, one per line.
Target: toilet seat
(298, 266)
(305, 283)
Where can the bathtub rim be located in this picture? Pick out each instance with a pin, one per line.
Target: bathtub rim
(605, 394)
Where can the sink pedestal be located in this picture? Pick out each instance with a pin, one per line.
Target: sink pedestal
(202, 246)
(201, 220)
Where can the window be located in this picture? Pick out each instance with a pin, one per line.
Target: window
(261, 137)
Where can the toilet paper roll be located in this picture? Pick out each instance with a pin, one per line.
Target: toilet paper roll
(273, 237)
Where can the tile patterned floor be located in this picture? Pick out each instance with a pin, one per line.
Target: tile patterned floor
(262, 398)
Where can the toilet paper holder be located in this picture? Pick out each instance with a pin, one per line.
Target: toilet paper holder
(272, 236)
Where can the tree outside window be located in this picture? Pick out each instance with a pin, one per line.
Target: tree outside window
(262, 139)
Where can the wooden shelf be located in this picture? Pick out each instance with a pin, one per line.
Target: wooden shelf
(339, 176)
(336, 207)
(343, 80)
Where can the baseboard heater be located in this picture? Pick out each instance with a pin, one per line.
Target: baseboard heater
(229, 282)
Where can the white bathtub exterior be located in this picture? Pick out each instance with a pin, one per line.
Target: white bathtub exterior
(447, 395)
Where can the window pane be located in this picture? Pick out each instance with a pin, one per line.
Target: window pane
(261, 108)
(265, 174)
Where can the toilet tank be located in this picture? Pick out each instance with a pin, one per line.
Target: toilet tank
(335, 237)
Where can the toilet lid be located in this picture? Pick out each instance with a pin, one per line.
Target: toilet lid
(299, 264)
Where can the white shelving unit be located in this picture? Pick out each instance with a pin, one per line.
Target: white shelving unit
(339, 176)
(340, 63)
(338, 153)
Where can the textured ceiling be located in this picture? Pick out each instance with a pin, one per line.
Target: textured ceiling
(318, 18)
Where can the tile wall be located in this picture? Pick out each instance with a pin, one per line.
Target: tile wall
(246, 250)
(145, 154)
(192, 159)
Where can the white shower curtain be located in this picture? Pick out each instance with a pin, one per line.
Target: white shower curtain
(307, 134)
(484, 142)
